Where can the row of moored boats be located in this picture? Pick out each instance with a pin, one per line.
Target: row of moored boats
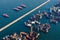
(22, 6)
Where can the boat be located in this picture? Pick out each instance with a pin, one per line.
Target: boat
(32, 22)
(27, 24)
(3, 38)
(39, 16)
(53, 21)
(5, 15)
(35, 17)
(40, 27)
(58, 10)
(32, 18)
(37, 22)
(46, 28)
(16, 9)
(19, 7)
(23, 5)
(57, 5)
(12, 37)
(46, 14)
(57, 18)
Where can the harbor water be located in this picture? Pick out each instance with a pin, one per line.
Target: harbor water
(6, 6)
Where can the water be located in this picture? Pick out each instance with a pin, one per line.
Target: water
(6, 6)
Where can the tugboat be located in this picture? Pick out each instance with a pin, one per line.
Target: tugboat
(5, 15)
